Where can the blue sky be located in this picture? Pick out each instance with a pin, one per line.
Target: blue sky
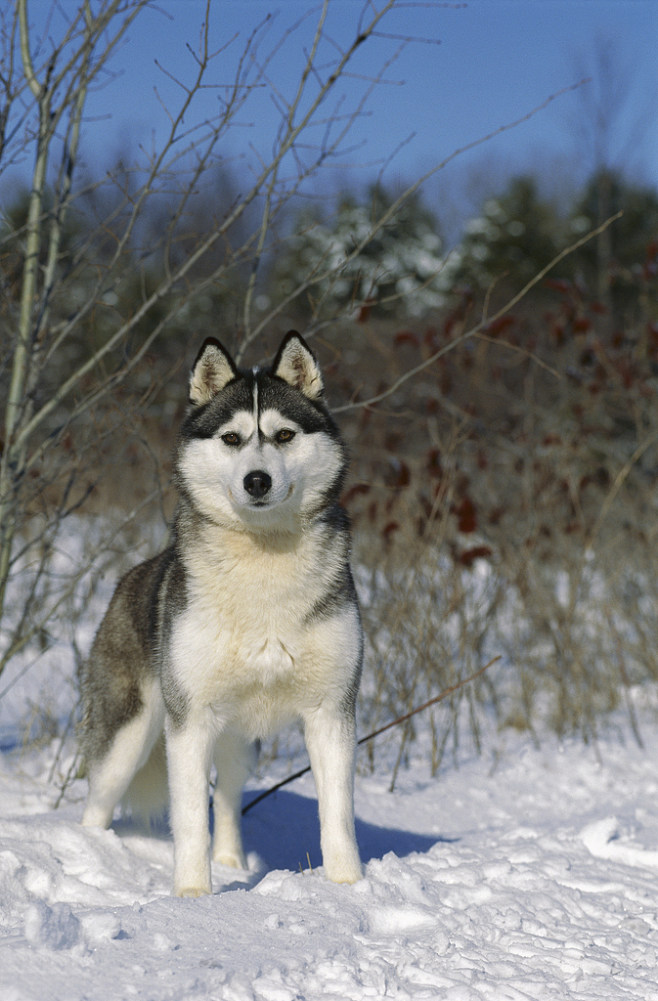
(496, 61)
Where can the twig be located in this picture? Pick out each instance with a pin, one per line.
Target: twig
(71, 773)
(617, 484)
(375, 733)
(482, 324)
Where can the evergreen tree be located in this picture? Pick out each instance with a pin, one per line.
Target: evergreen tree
(360, 257)
(516, 234)
(618, 265)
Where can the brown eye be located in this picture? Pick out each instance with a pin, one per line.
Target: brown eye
(285, 434)
(231, 438)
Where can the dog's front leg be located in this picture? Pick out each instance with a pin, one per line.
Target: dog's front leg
(331, 743)
(189, 753)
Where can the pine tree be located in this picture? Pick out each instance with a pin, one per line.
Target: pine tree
(363, 256)
(516, 234)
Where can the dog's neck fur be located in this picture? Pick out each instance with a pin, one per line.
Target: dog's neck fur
(192, 527)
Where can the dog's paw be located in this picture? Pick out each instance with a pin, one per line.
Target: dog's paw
(231, 860)
(343, 870)
(192, 891)
(96, 817)
(347, 878)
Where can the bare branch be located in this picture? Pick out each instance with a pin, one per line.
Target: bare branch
(478, 328)
(376, 733)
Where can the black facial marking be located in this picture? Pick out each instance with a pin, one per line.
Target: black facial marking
(204, 422)
(309, 415)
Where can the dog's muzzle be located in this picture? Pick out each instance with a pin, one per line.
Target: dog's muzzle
(258, 483)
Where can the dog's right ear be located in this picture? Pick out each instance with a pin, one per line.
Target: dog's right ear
(213, 369)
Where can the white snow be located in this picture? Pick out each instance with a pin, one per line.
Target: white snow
(535, 879)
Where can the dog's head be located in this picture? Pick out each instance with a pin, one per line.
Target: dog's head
(259, 449)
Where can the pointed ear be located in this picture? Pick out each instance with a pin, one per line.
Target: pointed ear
(212, 370)
(296, 364)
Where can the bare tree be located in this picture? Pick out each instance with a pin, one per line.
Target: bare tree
(72, 334)
(43, 109)
(608, 137)
(46, 87)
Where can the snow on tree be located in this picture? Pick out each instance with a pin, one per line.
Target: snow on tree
(352, 260)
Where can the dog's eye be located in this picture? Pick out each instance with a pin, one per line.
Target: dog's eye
(231, 438)
(284, 435)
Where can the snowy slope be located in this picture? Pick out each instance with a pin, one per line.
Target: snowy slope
(536, 880)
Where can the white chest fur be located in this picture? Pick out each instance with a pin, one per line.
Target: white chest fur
(245, 645)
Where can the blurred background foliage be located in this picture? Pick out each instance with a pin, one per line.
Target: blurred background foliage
(504, 449)
(504, 453)
(504, 499)
(334, 262)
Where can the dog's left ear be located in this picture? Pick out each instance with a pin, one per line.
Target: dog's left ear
(295, 363)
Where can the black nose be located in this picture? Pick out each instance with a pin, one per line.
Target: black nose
(257, 483)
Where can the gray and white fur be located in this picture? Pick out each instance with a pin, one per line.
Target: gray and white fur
(249, 620)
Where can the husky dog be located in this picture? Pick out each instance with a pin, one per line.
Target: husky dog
(247, 621)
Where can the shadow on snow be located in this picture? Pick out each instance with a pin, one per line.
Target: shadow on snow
(284, 833)
(283, 829)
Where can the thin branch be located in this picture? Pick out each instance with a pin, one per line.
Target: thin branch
(618, 483)
(317, 277)
(371, 736)
(287, 144)
(484, 322)
(431, 702)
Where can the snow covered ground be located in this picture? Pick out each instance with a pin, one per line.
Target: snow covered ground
(536, 879)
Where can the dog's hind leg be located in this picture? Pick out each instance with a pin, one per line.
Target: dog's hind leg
(111, 775)
(234, 758)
